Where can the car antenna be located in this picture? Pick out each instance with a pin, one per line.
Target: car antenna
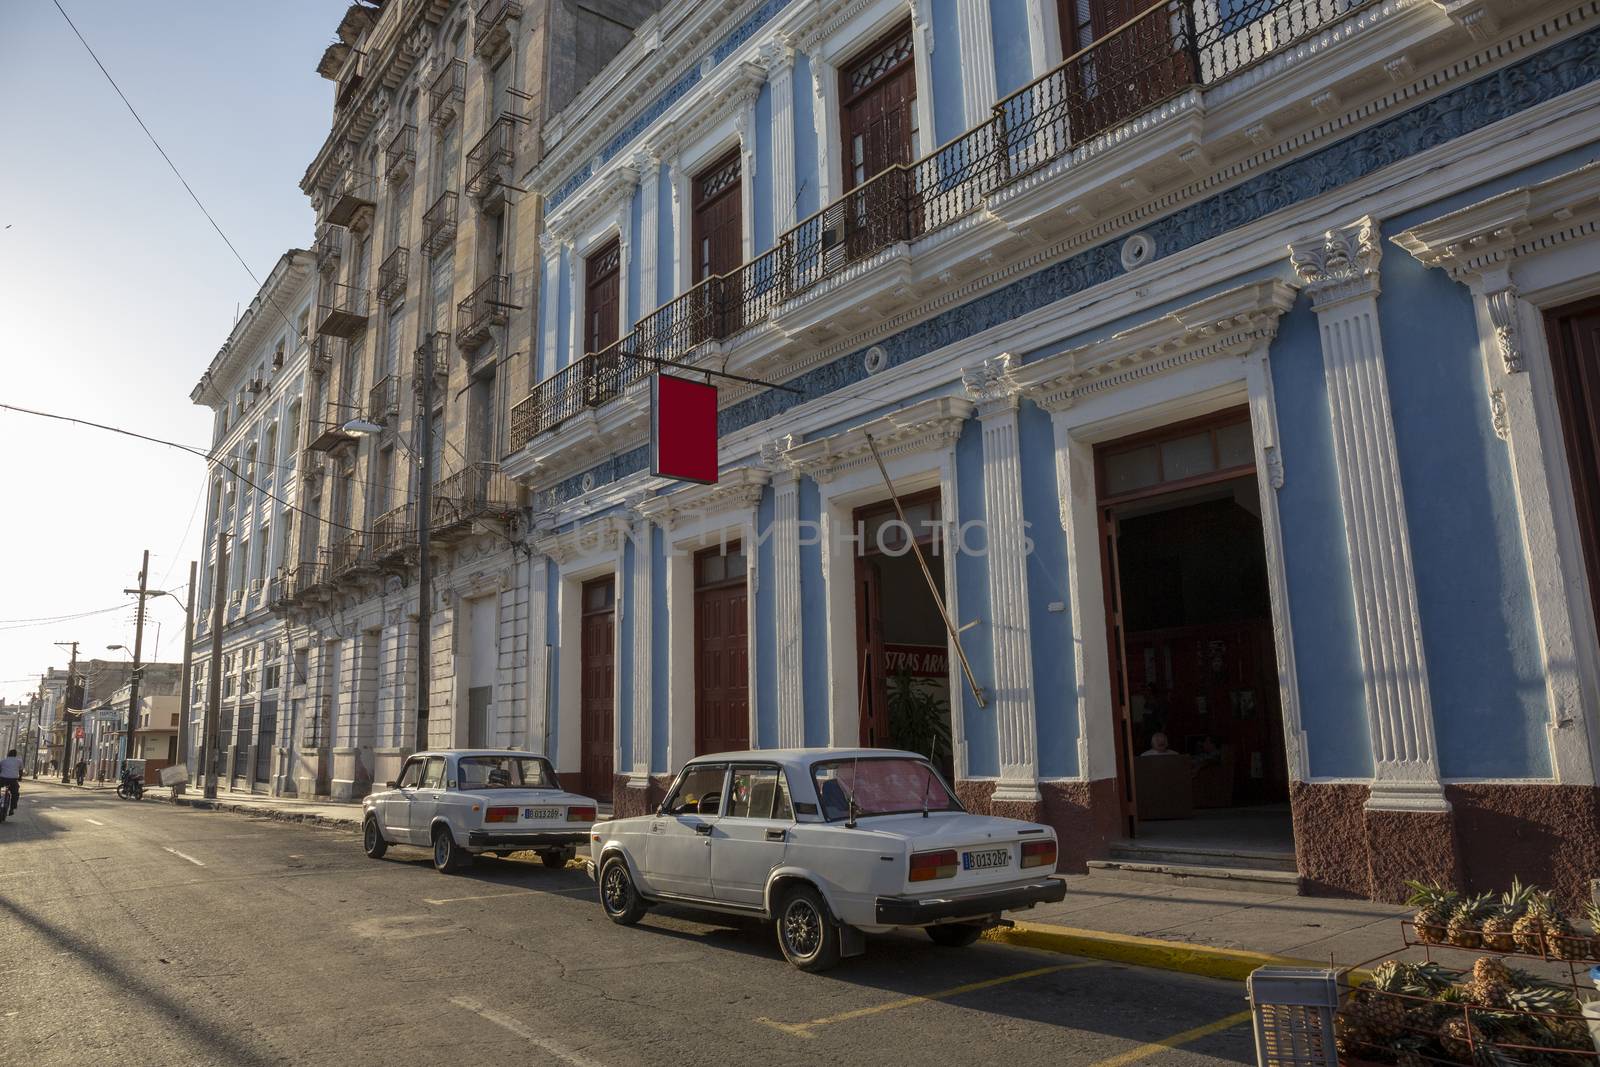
(850, 798)
(926, 782)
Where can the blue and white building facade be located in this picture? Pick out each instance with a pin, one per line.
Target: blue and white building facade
(1219, 369)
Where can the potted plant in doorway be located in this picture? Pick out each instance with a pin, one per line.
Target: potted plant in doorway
(919, 718)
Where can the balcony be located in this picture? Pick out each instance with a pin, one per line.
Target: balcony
(352, 194)
(492, 28)
(477, 491)
(348, 556)
(446, 92)
(328, 432)
(394, 535)
(324, 351)
(400, 157)
(489, 162)
(383, 401)
(304, 579)
(487, 307)
(328, 248)
(345, 315)
(392, 275)
(435, 351)
(439, 224)
(1164, 51)
(350, 82)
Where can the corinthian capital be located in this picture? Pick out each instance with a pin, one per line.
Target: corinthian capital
(1342, 264)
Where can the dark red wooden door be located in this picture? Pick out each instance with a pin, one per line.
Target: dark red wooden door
(1139, 57)
(873, 693)
(598, 656)
(722, 652)
(878, 118)
(602, 291)
(1575, 366)
(718, 236)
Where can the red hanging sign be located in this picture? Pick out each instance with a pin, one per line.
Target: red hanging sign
(683, 429)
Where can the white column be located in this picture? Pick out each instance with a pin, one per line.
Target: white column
(550, 313)
(824, 122)
(538, 655)
(649, 235)
(681, 252)
(575, 310)
(780, 75)
(643, 668)
(626, 314)
(1013, 696)
(1044, 36)
(1340, 270)
(746, 125)
(786, 597)
(977, 61)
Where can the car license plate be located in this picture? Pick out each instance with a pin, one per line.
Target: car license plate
(982, 861)
(541, 813)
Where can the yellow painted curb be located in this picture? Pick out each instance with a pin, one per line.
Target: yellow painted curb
(1205, 960)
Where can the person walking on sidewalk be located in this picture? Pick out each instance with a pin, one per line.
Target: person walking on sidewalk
(81, 769)
(10, 778)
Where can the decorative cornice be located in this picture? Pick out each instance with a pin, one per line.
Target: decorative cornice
(1340, 265)
(1231, 323)
(613, 193)
(738, 489)
(925, 426)
(603, 535)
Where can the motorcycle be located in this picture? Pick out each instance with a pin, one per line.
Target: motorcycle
(131, 787)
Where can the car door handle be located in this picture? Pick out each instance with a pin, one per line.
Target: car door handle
(703, 828)
(775, 835)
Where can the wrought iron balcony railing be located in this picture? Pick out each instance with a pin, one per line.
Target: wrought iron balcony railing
(439, 224)
(1165, 50)
(492, 27)
(435, 352)
(328, 432)
(352, 193)
(347, 555)
(477, 490)
(325, 350)
(446, 92)
(383, 400)
(489, 161)
(328, 248)
(400, 157)
(306, 577)
(392, 275)
(486, 308)
(345, 312)
(395, 533)
(350, 82)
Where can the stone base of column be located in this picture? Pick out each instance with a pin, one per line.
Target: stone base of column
(352, 773)
(638, 795)
(386, 764)
(1409, 845)
(1548, 835)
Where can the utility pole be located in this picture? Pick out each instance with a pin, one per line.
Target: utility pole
(424, 528)
(187, 679)
(66, 714)
(138, 645)
(208, 740)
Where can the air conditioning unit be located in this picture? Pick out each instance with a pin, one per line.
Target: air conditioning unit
(256, 385)
(256, 585)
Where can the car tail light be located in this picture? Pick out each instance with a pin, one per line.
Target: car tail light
(1038, 854)
(500, 815)
(926, 866)
(580, 815)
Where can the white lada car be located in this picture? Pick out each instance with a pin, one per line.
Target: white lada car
(829, 845)
(461, 803)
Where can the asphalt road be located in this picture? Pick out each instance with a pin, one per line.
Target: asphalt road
(146, 933)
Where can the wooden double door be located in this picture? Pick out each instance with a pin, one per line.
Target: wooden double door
(1130, 56)
(1574, 333)
(722, 651)
(598, 654)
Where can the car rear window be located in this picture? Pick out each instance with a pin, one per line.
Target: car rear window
(505, 772)
(886, 785)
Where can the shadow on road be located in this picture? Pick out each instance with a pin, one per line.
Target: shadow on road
(205, 1034)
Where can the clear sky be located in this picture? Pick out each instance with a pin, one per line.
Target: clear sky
(115, 293)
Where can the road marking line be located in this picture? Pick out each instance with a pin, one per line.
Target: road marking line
(1167, 1044)
(555, 1048)
(804, 1029)
(508, 893)
(97, 822)
(183, 856)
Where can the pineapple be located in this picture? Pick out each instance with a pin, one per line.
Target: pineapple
(1382, 1009)
(1528, 930)
(1496, 927)
(1560, 940)
(1463, 929)
(1434, 903)
(1555, 1021)
(1459, 1038)
(1491, 983)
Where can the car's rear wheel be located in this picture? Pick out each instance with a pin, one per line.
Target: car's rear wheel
(955, 935)
(555, 858)
(619, 897)
(806, 932)
(372, 842)
(448, 857)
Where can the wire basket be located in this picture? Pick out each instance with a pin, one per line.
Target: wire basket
(1292, 1010)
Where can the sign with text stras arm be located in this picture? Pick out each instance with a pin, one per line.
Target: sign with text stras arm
(683, 429)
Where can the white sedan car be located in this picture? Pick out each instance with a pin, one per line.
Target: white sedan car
(829, 845)
(463, 802)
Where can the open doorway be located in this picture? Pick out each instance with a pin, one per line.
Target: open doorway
(903, 652)
(1201, 756)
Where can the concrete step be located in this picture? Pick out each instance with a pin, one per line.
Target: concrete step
(1204, 856)
(1212, 876)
